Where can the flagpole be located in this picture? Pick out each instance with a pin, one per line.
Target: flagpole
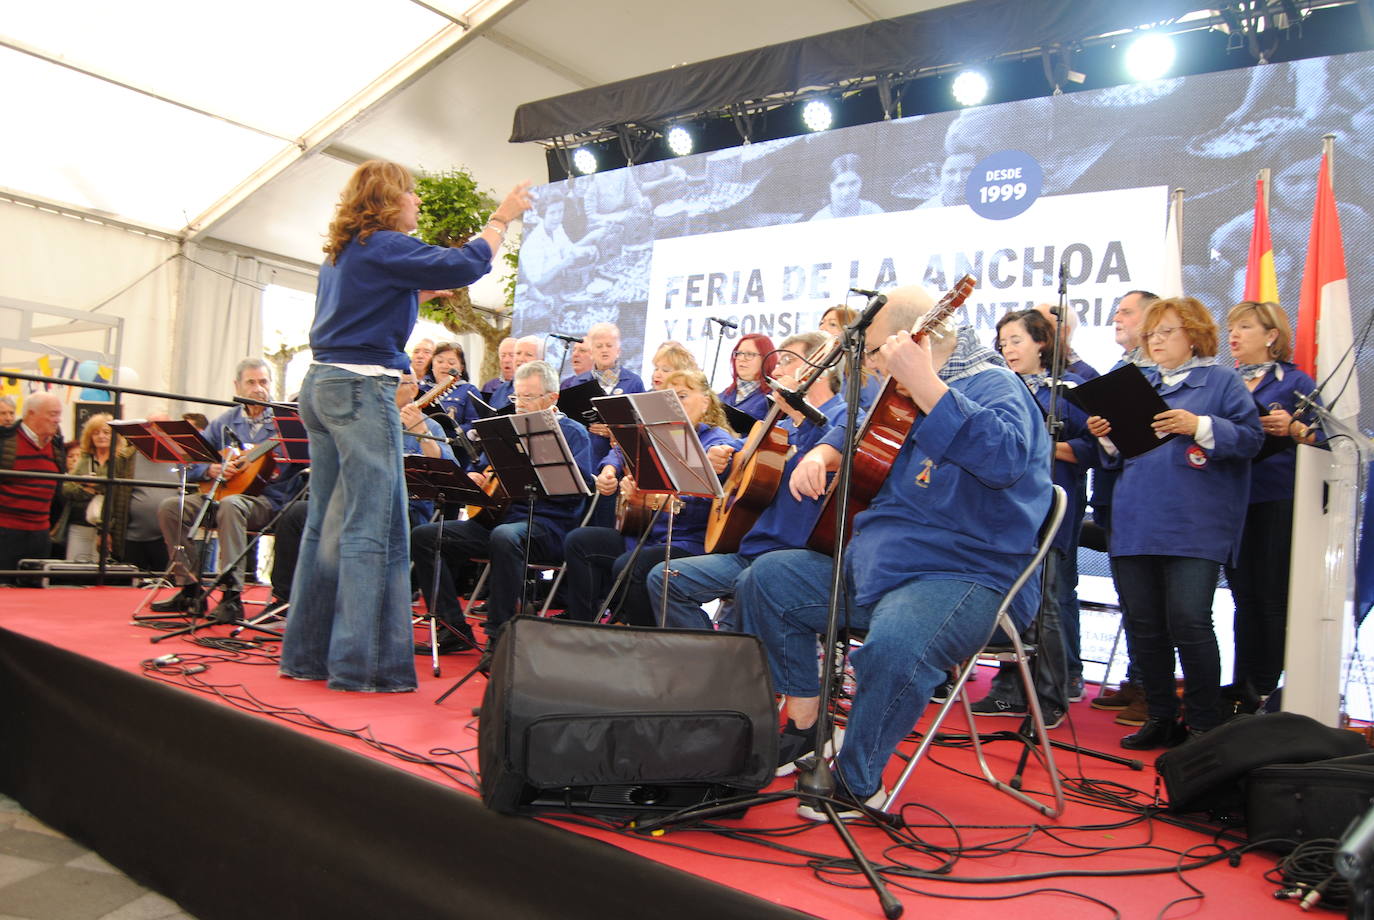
(1326, 490)
(1263, 177)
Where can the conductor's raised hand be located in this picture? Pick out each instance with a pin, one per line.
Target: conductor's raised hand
(515, 204)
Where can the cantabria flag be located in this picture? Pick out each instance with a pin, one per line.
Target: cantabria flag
(1324, 340)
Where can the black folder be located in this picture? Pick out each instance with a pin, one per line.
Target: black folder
(1124, 398)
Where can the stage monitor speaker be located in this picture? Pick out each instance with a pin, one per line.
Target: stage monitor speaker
(620, 721)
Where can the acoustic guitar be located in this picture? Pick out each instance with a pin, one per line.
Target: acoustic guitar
(884, 431)
(756, 472)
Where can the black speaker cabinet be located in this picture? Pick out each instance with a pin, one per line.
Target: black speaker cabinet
(621, 721)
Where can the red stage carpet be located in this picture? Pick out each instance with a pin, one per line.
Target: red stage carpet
(123, 793)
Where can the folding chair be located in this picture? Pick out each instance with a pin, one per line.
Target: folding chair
(558, 569)
(1013, 651)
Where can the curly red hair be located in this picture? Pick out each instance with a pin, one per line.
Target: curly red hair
(371, 201)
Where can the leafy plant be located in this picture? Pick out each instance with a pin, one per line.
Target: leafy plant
(452, 211)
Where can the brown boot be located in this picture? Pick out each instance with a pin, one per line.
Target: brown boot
(1117, 700)
(1134, 714)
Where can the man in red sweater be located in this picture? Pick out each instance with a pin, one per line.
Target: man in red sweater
(33, 445)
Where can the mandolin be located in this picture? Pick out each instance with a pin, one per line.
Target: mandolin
(258, 465)
(490, 517)
(756, 472)
(884, 431)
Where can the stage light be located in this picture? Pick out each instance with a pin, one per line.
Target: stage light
(970, 88)
(584, 160)
(817, 116)
(680, 141)
(1150, 56)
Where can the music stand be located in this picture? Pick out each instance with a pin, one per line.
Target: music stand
(171, 442)
(529, 455)
(665, 457)
(291, 434)
(440, 480)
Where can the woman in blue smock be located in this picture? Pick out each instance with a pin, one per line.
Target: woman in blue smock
(1177, 516)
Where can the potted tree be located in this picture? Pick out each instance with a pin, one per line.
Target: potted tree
(453, 211)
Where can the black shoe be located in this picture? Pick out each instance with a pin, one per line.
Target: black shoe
(942, 692)
(794, 744)
(229, 609)
(484, 662)
(1155, 733)
(178, 603)
(848, 806)
(451, 643)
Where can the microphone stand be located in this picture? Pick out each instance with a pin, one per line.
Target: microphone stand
(1025, 733)
(816, 784)
(719, 336)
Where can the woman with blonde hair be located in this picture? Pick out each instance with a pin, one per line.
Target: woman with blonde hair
(350, 612)
(92, 459)
(595, 555)
(670, 356)
(1259, 340)
(1177, 514)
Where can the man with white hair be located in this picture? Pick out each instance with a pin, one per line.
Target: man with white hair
(953, 524)
(9, 412)
(236, 514)
(496, 391)
(536, 389)
(34, 445)
(604, 341)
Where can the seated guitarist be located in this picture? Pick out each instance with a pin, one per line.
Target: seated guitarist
(595, 555)
(953, 523)
(535, 388)
(239, 513)
(784, 524)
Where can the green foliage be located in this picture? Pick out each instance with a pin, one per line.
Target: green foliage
(452, 207)
(511, 256)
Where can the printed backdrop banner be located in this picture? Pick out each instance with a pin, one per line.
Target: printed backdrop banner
(780, 280)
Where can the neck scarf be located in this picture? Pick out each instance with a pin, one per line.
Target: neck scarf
(1254, 371)
(1172, 376)
(744, 389)
(969, 357)
(607, 378)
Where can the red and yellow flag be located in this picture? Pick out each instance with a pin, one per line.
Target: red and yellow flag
(1261, 283)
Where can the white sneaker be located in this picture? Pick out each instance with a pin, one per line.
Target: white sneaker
(849, 811)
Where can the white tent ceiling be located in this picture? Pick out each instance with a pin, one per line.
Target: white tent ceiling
(240, 122)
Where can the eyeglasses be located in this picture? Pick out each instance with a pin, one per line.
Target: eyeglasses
(870, 352)
(786, 357)
(1159, 335)
(747, 354)
(528, 399)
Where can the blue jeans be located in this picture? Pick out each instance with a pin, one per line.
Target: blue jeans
(698, 580)
(595, 557)
(916, 633)
(350, 600)
(1167, 601)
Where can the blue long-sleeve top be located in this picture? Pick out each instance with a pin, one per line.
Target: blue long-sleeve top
(787, 522)
(689, 528)
(410, 447)
(627, 382)
(1071, 476)
(1180, 499)
(965, 498)
(756, 403)
(458, 405)
(1271, 479)
(366, 302)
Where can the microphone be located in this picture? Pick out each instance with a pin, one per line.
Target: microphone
(231, 435)
(798, 403)
(1063, 277)
(565, 337)
(864, 292)
(876, 302)
(724, 322)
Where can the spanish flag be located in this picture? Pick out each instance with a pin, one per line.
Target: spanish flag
(1261, 284)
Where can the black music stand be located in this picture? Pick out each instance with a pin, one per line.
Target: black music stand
(665, 457)
(530, 456)
(441, 480)
(172, 442)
